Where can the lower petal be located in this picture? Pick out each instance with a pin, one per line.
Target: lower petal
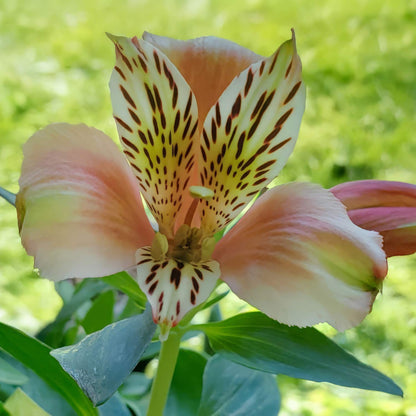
(297, 257)
(174, 287)
(79, 209)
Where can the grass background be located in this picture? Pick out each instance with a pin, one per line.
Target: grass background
(359, 60)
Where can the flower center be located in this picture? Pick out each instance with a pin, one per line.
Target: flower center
(189, 244)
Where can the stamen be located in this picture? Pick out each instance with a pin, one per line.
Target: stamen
(201, 192)
(160, 246)
(197, 192)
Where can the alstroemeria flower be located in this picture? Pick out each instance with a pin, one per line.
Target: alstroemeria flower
(384, 206)
(205, 125)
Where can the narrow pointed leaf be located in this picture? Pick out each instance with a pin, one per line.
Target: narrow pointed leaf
(19, 404)
(24, 348)
(231, 389)
(53, 333)
(100, 314)
(3, 411)
(126, 284)
(39, 391)
(9, 375)
(256, 341)
(102, 361)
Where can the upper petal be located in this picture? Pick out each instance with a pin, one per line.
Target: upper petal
(79, 208)
(208, 64)
(157, 120)
(297, 257)
(384, 206)
(249, 134)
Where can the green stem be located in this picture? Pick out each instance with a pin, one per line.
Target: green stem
(161, 383)
(8, 196)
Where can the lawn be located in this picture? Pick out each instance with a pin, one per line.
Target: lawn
(359, 61)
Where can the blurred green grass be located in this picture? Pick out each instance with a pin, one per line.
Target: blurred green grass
(359, 60)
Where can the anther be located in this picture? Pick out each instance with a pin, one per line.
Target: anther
(160, 246)
(200, 192)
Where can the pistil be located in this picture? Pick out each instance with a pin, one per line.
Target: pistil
(198, 193)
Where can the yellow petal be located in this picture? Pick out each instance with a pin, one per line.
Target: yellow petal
(249, 134)
(157, 120)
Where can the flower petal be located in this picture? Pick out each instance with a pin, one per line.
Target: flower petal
(174, 287)
(249, 134)
(383, 206)
(375, 193)
(296, 256)
(79, 208)
(397, 225)
(208, 64)
(157, 119)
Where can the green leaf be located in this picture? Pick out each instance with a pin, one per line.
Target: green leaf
(186, 388)
(102, 361)
(3, 411)
(231, 389)
(100, 313)
(135, 392)
(35, 355)
(40, 392)
(135, 386)
(126, 284)
(19, 404)
(114, 407)
(215, 300)
(53, 333)
(9, 375)
(130, 309)
(256, 341)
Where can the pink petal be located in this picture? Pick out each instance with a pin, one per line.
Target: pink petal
(374, 193)
(208, 64)
(79, 208)
(157, 120)
(250, 133)
(383, 206)
(297, 257)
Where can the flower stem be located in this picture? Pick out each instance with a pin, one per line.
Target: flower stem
(161, 383)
